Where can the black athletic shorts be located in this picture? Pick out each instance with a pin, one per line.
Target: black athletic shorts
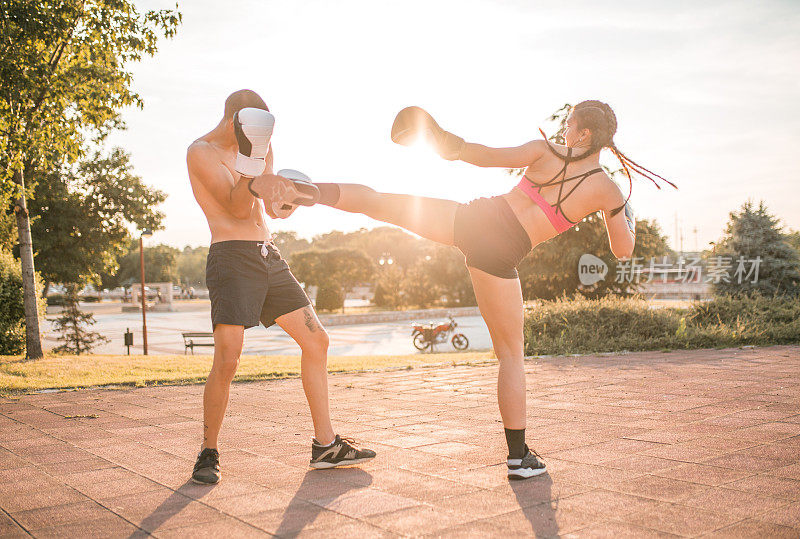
(248, 282)
(491, 237)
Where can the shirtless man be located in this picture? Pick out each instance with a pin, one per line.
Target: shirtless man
(249, 282)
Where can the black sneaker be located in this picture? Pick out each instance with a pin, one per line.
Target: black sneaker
(530, 465)
(341, 452)
(206, 469)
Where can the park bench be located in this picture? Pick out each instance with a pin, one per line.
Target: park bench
(189, 340)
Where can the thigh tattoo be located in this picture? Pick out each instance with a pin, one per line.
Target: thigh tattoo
(308, 317)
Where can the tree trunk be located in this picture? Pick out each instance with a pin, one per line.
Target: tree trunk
(33, 341)
(45, 289)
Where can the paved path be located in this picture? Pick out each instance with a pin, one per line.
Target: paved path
(640, 445)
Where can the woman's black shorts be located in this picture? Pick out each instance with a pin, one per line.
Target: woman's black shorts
(248, 282)
(491, 237)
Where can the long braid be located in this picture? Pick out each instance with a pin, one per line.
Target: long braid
(600, 120)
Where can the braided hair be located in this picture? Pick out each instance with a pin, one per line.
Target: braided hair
(600, 120)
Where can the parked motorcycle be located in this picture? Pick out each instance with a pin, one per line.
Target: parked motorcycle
(425, 336)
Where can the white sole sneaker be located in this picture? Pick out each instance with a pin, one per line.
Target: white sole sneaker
(525, 473)
(529, 466)
(343, 464)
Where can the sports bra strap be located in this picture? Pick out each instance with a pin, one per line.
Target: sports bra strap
(561, 198)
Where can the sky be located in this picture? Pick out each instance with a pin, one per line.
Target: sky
(705, 93)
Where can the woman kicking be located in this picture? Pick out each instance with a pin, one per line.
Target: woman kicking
(561, 185)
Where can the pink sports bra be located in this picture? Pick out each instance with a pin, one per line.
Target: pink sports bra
(555, 212)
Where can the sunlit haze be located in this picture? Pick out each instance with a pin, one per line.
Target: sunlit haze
(705, 93)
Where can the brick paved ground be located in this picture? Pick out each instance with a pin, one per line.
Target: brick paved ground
(647, 444)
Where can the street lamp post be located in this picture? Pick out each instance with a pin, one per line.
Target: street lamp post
(145, 233)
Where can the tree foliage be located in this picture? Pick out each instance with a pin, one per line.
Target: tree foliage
(751, 233)
(8, 230)
(160, 265)
(191, 266)
(64, 78)
(384, 242)
(337, 268)
(64, 74)
(288, 243)
(793, 237)
(449, 276)
(81, 217)
(388, 287)
(551, 270)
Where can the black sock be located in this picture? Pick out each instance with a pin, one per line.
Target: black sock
(328, 193)
(516, 443)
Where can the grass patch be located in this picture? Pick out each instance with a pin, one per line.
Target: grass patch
(66, 372)
(612, 324)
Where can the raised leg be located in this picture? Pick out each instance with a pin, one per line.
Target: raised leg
(431, 218)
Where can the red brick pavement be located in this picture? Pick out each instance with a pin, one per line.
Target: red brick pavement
(638, 445)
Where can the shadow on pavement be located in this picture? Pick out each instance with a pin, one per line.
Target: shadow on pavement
(542, 515)
(319, 487)
(174, 504)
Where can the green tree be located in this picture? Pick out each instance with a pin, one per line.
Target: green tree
(753, 233)
(551, 270)
(160, 266)
(191, 266)
(73, 327)
(418, 287)
(381, 242)
(793, 237)
(64, 77)
(81, 215)
(341, 268)
(449, 275)
(288, 243)
(388, 287)
(8, 231)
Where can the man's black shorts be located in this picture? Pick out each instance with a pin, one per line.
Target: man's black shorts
(248, 282)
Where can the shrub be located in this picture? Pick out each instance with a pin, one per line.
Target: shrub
(748, 319)
(329, 298)
(608, 324)
(613, 324)
(12, 308)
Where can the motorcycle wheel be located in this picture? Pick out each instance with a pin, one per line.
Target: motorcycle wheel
(420, 343)
(460, 341)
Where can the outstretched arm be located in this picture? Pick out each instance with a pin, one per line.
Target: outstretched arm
(413, 123)
(516, 157)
